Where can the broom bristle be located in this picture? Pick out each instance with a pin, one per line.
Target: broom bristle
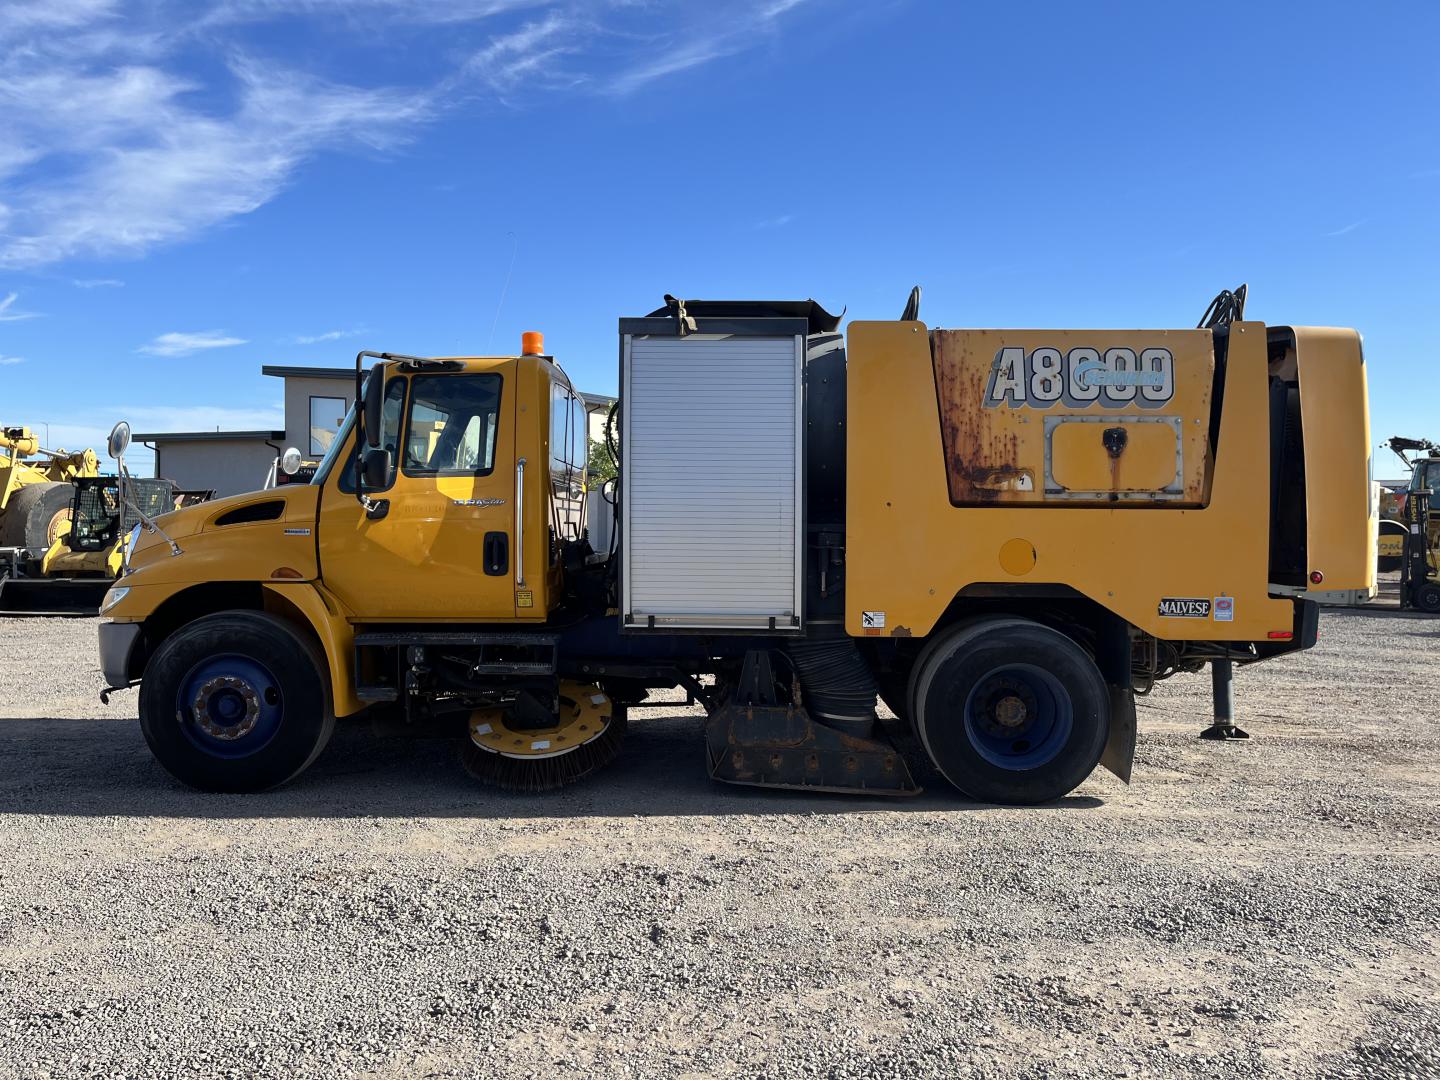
(544, 773)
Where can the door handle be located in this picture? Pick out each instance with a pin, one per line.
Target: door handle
(520, 523)
(497, 553)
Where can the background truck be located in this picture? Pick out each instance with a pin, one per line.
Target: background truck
(1002, 533)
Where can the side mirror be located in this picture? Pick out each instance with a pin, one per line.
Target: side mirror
(375, 468)
(119, 440)
(375, 407)
(290, 461)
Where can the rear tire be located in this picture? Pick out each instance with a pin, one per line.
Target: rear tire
(235, 702)
(34, 515)
(1010, 711)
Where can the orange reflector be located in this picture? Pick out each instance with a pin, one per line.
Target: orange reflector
(287, 573)
(532, 343)
(1280, 635)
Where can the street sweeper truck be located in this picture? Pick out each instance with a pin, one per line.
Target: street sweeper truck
(1003, 535)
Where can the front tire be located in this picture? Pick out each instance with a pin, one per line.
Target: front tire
(235, 702)
(1010, 711)
(1427, 598)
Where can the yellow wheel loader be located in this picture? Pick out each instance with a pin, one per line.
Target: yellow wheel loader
(35, 495)
(62, 527)
(1004, 533)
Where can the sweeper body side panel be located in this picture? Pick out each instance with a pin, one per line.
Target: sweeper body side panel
(1130, 554)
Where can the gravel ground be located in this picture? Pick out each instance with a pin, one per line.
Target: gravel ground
(1267, 908)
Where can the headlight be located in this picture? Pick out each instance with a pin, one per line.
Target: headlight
(114, 596)
(130, 542)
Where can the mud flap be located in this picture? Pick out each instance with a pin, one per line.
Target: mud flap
(781, 746)
(1119, 752)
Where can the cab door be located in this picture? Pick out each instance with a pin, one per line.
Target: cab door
(444, 547)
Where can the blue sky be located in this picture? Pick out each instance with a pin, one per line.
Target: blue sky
(190, 189)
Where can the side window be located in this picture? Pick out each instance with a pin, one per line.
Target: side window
(568, 449)
(454, 421)
(393, 412)
(569, 444)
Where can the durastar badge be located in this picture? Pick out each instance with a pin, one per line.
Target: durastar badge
(1181, 607)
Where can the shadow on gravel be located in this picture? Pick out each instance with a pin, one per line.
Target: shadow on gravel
(103, 768)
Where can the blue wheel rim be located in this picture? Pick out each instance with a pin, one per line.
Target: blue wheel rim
(1019, 717)
(229, 706)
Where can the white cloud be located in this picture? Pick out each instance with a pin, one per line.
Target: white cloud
(329, 335)
(1348, 228)
(27, 15)
(130, 125)
(183, 344)
(153, 168)
(776, 222)
(528, 55)
(693, 46)
(8, 361)
(10, 313)
(97, 283)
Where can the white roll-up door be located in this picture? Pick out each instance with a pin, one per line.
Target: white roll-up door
(712, 458)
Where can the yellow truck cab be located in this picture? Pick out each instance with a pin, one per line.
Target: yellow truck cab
(1002, 534)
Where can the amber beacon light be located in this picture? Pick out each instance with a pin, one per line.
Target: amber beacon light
(532, 343)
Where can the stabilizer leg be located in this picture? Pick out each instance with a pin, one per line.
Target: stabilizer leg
(1222, 678)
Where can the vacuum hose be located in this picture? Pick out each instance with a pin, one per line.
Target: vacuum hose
(839, 689)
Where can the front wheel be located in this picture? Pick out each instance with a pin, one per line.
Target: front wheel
(1011, 711)
(235, 702)
(1427, 597)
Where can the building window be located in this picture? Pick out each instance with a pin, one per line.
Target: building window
(326, 416)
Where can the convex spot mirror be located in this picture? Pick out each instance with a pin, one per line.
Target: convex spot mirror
(290, 461)
(119, 440)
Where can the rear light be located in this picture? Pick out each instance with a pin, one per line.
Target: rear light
(1280, 635)
(1316, 577)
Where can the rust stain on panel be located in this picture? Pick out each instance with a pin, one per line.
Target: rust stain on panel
(981, 463)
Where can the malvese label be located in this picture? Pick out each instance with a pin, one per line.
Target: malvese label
(1179, 607)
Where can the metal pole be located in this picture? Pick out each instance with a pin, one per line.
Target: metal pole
(1222, 685)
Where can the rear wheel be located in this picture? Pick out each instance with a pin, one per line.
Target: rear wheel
(1010, 711)
(235, 702)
